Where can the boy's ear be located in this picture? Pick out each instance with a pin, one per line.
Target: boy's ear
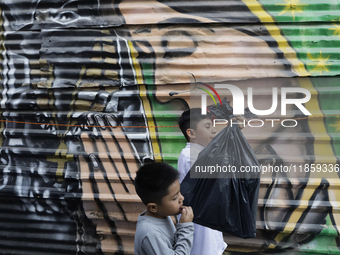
(152, 207)
(191, 133)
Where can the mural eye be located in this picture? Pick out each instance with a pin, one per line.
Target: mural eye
(178, 43)
(67, 16)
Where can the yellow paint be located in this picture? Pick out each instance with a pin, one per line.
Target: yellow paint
(336, 29)
(292, 6)
(82, 72)
(50, 103)
(97, 47)
(50, 75)
(60, 157)
(146, 104)
(96, 59)
(94, 72)
(289, 53)
(111, 61)
(319, 62)
(105, 31)
(109, 48)
(111, 74)
(106, 39)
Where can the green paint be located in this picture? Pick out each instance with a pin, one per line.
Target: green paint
(323, 243)
(208, 92)
(329, 91)
(307, 38)
(302, 10)
(165, 114)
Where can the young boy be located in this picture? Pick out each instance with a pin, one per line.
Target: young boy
(158, 186)
(199, 131)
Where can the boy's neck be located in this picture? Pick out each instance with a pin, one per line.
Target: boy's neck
(196, 143)
(192, 141)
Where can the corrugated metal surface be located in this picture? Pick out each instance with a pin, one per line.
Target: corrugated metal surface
(91, 90)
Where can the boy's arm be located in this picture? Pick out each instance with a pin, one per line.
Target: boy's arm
(155, 244)
(185, 237)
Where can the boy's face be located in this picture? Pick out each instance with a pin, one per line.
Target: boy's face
(204, 132)
(172, 203)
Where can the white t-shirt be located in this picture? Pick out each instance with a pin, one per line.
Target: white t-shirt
(207, 241)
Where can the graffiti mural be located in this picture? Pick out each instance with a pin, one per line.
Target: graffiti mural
(91, 90)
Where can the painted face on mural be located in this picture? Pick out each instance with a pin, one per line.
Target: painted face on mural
(210, 52)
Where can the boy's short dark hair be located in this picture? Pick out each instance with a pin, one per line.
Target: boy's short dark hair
(191, 116)
(153, 180)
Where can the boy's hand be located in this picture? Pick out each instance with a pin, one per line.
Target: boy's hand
(187, 214)
(240, 119)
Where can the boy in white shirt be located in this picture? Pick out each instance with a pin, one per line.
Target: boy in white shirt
(199, 131)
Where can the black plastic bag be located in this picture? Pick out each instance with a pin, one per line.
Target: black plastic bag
(225, 201)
